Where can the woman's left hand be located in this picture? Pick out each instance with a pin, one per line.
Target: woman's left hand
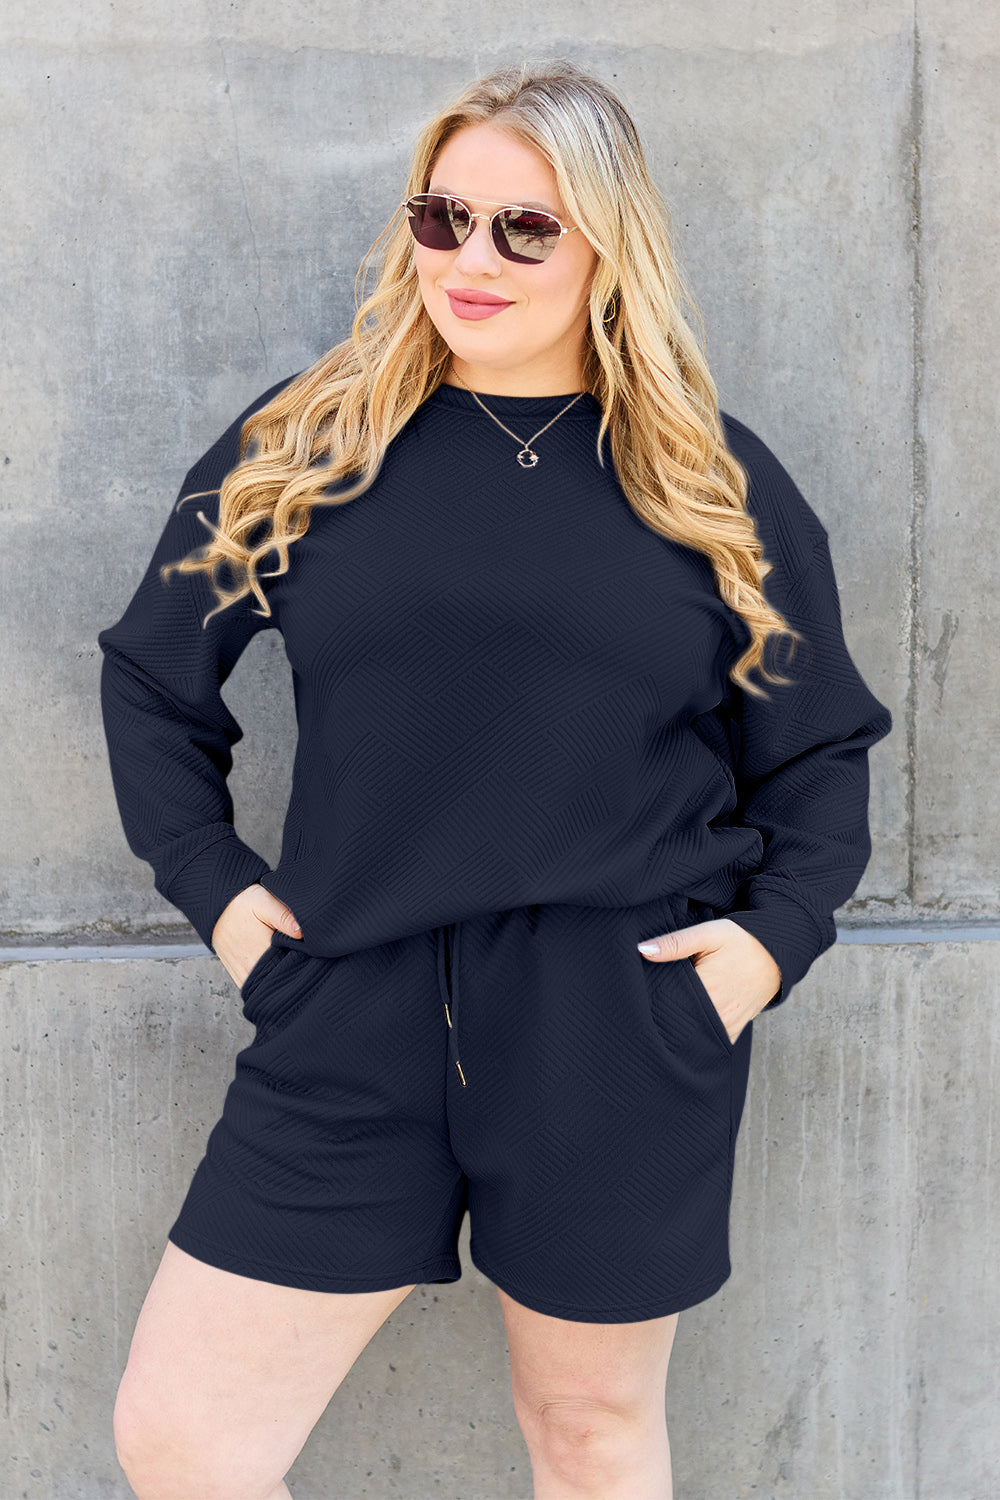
(736, 969)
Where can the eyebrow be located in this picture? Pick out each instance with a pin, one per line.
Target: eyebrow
(546, 208)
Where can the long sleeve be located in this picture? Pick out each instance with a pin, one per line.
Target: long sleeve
(801, 758)
(169, 732)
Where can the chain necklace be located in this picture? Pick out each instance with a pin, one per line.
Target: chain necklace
(527, 458)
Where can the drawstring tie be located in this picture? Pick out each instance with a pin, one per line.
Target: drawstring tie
(448, 984)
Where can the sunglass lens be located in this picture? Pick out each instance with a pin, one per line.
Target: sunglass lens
(525, 235)
(438, 223)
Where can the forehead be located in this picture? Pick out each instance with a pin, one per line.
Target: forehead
(481, 162)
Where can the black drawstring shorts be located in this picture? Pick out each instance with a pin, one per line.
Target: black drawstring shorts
(528, 1065)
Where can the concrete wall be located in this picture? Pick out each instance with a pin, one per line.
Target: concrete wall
(186, 192)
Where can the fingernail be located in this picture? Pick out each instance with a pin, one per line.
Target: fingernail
(649, 946)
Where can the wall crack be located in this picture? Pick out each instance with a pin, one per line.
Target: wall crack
(246, 204)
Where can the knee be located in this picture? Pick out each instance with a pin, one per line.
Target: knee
(135, 1436)
(581, 1439)
(165, 1458)
(150, 1446)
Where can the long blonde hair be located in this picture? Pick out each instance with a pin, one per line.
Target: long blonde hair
(332, 424)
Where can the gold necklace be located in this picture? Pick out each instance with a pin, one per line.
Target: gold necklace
(527, 458)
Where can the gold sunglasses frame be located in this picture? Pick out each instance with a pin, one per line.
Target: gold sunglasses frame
(501, 208)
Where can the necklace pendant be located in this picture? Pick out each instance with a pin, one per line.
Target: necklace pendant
(526, 458)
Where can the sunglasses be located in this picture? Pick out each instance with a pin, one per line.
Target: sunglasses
(524, 235)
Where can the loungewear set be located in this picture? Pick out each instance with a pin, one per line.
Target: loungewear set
(519, 754)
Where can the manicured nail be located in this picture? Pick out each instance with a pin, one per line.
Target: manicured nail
(650, 946)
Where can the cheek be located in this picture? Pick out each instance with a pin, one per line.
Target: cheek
(565, 284)
(423, 261)
(563, 298)
(586, 277)
(428, 275)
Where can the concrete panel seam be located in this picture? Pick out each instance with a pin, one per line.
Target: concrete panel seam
(900, 936)
(918, 473)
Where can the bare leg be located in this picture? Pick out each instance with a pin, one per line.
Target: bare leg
(227, 1376)
(590, 1402)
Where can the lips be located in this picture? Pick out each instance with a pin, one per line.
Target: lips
(474, 305)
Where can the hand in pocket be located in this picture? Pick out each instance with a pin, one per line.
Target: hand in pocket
(243, 931)
(735, 968)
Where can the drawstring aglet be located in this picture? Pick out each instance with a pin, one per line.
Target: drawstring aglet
(461, 1075)
(447, 1014)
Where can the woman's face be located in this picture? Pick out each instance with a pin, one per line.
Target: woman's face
(533, 344)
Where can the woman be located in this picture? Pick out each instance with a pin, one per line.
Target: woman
(517, 557)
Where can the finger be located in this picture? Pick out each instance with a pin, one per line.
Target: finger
(275, 913)
(289, 925)
(285, 922)
(684, 943)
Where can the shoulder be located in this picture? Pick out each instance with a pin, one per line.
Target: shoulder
(789, 528)
(208, 472)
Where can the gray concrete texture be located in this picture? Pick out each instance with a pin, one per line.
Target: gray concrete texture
(851, 1355)
(187, 190)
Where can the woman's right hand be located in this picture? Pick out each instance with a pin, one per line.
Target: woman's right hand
(242, 932)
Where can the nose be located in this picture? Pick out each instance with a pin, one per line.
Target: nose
(477, 254)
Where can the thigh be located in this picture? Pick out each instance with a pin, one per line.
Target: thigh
(555, 1362)
(227, 1375)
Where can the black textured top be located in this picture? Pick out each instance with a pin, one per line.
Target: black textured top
(509, 690)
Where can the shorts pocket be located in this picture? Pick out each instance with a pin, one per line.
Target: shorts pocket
(263, 966)
(676, 913)
(706, 1003)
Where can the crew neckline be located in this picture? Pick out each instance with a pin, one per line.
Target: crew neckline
(512, 406)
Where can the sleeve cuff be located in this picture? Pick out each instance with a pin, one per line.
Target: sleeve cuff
(794, 936)
(205, 883)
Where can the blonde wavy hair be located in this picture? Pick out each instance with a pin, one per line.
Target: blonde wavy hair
(331, 425)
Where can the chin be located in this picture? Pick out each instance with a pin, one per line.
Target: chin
(481, 350)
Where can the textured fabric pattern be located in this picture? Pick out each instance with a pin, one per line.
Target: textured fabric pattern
(590, 1131)
(510, 691)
